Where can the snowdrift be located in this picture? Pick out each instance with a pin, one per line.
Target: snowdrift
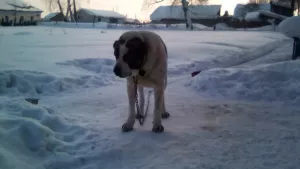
(290, 27)
(33, 84)
(269, 82)
(33, 136)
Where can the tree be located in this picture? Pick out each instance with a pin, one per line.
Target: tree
(295, 4)
(185, 7)
(226, 14)
(64, 7)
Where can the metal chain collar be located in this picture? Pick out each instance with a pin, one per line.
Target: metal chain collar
(140, 117)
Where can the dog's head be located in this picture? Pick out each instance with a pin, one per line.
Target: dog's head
(130, 52)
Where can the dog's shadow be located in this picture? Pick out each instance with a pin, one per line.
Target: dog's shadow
(144, 135)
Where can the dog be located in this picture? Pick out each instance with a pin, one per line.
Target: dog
(143, 55)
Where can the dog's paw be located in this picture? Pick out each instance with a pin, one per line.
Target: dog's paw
(126, 127)
(165, 115)
(158, 128)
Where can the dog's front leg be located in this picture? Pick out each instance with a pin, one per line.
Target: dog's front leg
(131, 92)
(142, 100)
(158, 108)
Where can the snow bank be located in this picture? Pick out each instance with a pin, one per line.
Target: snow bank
(223, 26)
(101, 25)
(263, 28)
(290, 27)
(92, 64)
(31, 134)
(270, 82)
(33, 84)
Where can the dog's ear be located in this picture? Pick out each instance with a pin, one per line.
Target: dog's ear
(116, 46)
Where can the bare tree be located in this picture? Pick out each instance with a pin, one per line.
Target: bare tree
(295, 4)
(185, 7)
(75, 11)
(65, 7)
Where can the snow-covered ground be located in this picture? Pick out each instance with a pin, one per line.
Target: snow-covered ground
(242, 111)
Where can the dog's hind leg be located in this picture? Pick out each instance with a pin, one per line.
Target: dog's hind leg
(128, 126)
(158, 108)
(142, 100)
(164, 114)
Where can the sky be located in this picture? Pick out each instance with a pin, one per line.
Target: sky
(134, 8)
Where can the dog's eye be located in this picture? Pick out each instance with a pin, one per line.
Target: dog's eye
(133, 43)
(126, 58)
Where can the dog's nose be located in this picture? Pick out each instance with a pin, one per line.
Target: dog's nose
(117, 70)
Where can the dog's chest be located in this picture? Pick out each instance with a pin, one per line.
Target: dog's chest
(145, 81)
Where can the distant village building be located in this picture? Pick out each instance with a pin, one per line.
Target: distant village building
(204, 14)
(257, 15)
(54, 17)
(131, 21)
(18, 13)
(264, 16)
(241, 10)
(95, 15)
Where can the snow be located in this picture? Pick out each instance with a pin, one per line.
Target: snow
(269, 82)
(273, 15)
(252, 16)
(241, 111)
(176, 12)
(6, 5)
(103, 13)
(290, 26)
(223, 26)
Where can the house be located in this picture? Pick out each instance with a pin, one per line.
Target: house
(257, 15)
(264, 16)
(131, 21)
(55, 16)
(96, 15)
(203, 14)
(241, 10)
(18, 13)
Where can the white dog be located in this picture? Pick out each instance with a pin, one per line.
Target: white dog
(143, 55)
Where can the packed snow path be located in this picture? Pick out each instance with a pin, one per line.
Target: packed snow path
(77, 123)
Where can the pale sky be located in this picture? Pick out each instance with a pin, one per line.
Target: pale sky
(133, 7)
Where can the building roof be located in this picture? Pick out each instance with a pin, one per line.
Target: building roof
(18, 5)
(103, 13)
(131, 20)
(176, 12)
(255, 16)
(240, 11)
(50, 16)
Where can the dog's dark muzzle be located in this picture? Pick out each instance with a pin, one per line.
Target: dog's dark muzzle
(118, 72)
